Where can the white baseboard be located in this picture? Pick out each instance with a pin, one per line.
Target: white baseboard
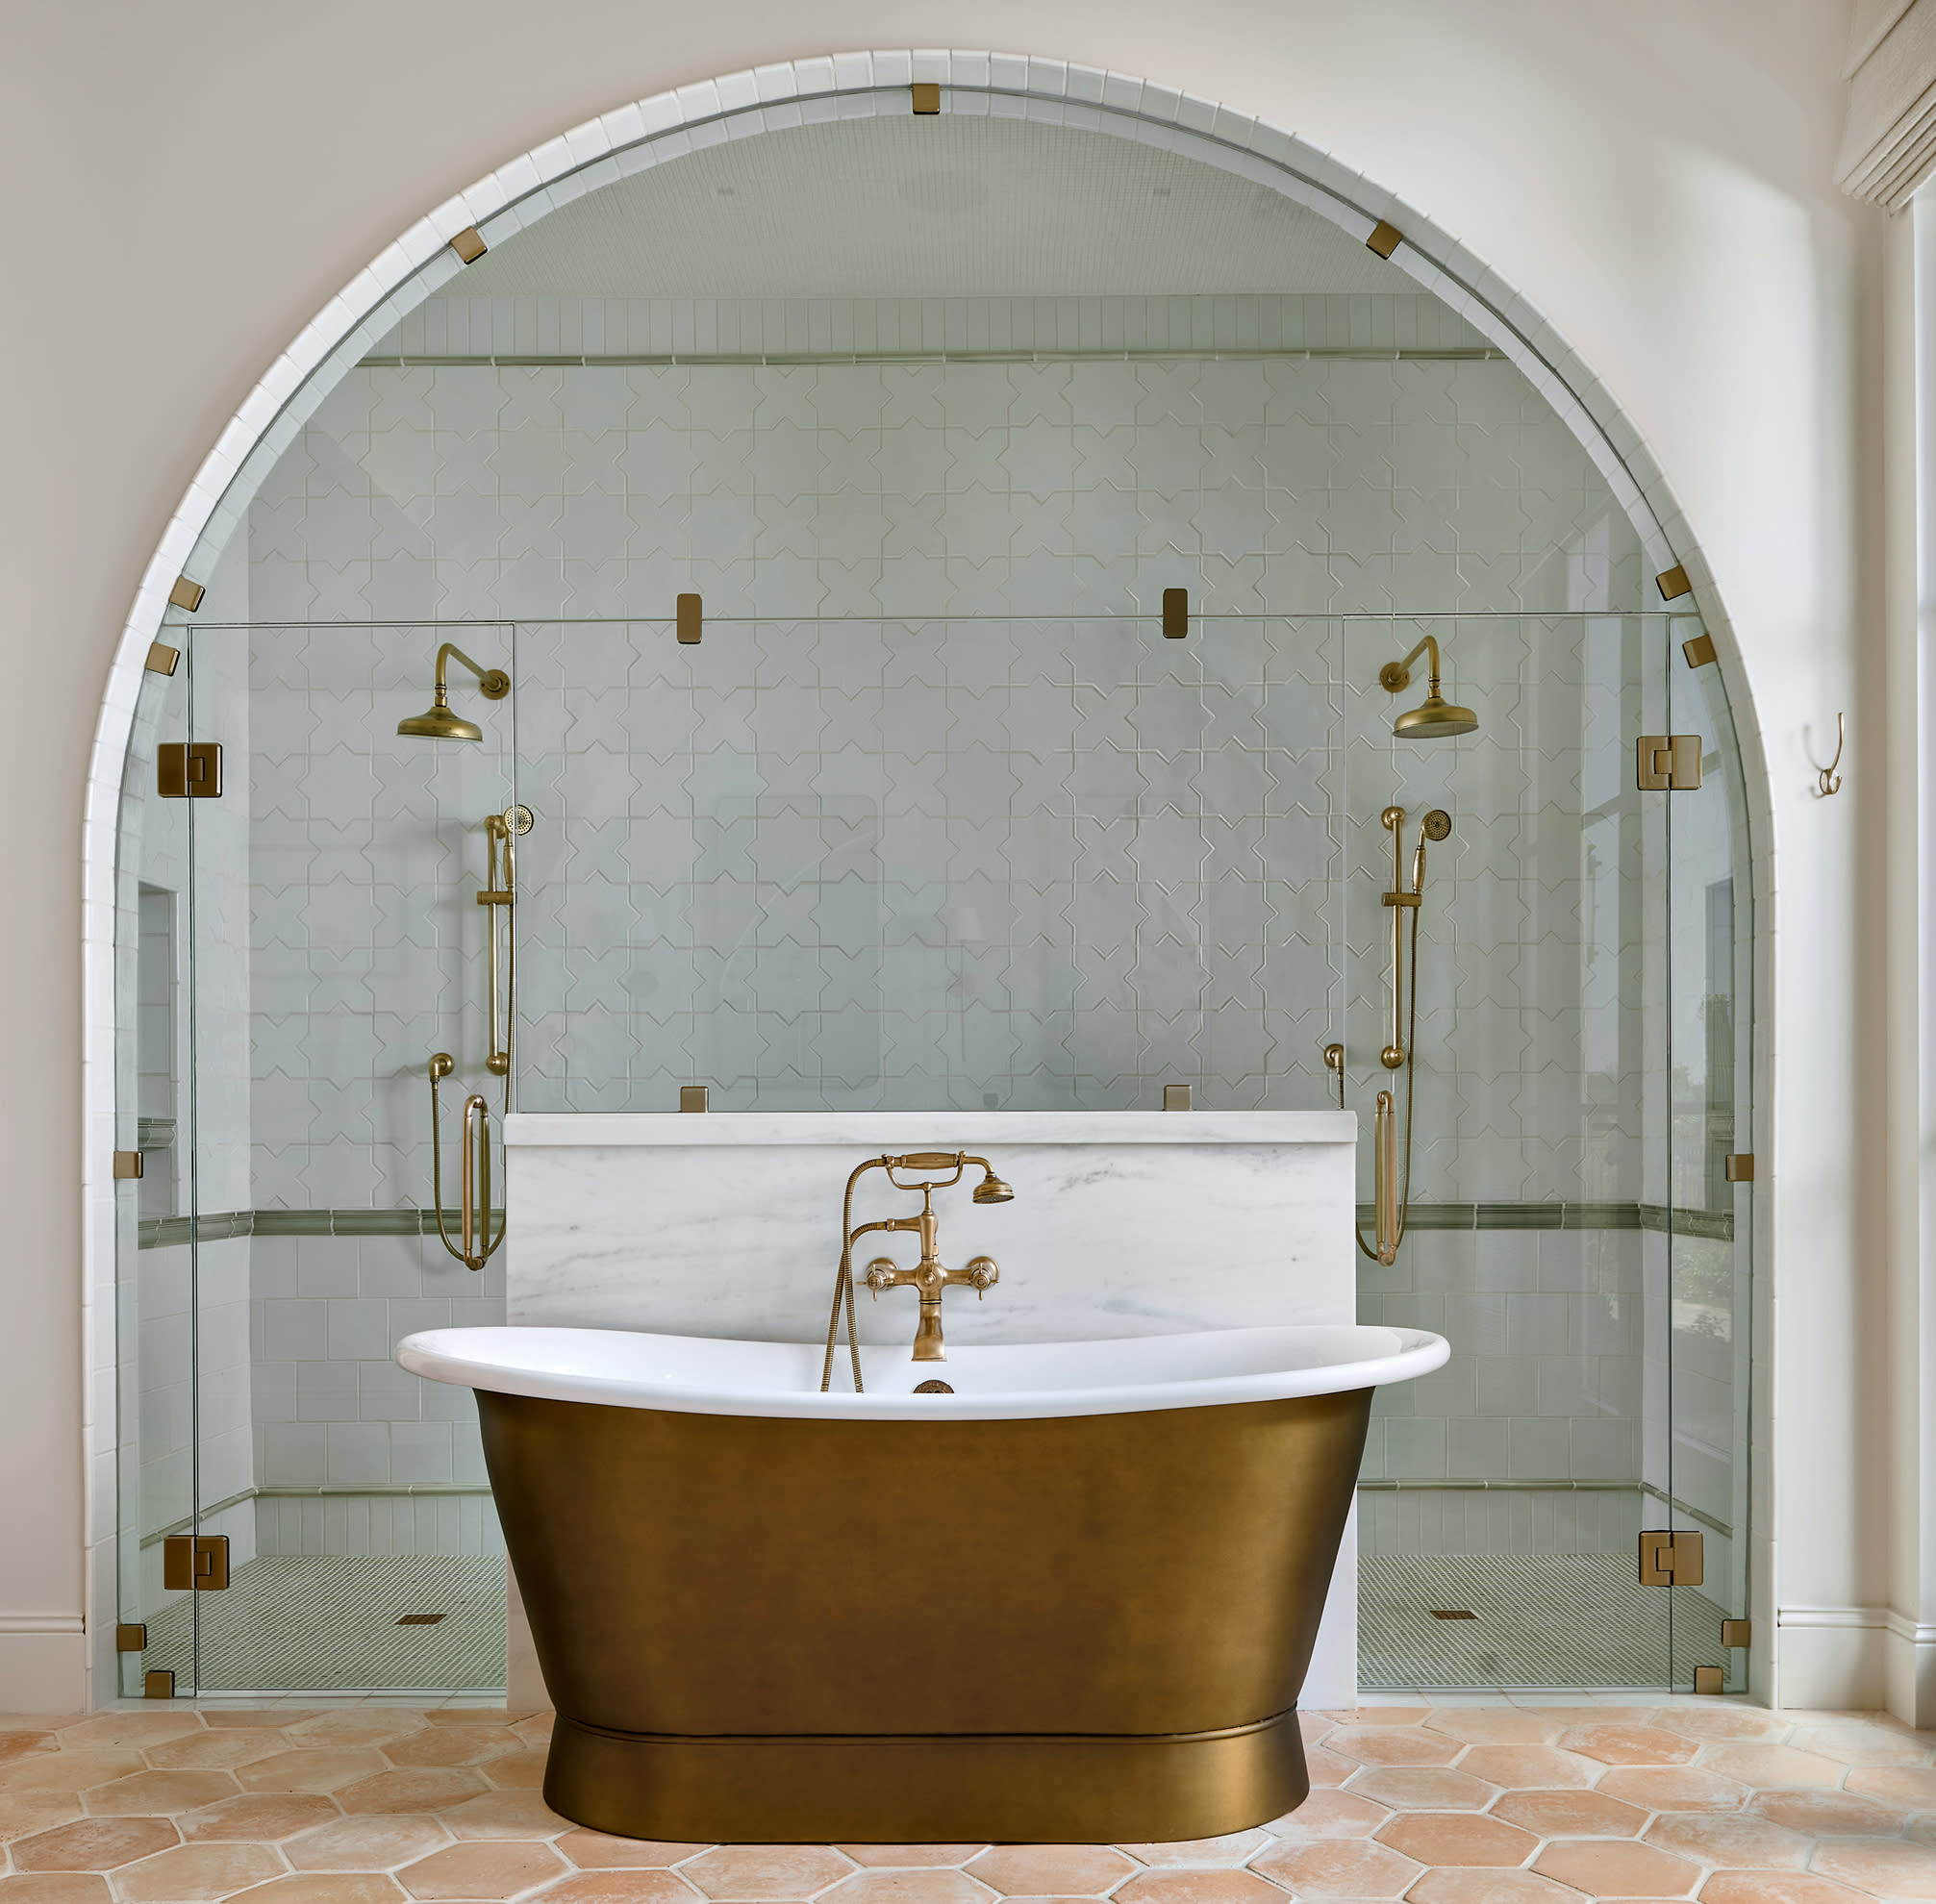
(1832, 1658)
(43, 1664)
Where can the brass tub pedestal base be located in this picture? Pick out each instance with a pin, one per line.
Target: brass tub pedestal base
(1068, 1788)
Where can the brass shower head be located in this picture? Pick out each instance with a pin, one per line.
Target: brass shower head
(436, 723)
(992, 1189)
(1434, 719)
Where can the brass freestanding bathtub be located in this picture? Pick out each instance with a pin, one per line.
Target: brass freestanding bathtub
(1071, 1601)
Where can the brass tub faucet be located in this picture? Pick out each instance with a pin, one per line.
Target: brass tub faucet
(930, 1277)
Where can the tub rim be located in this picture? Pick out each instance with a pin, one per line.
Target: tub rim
(453, 1355)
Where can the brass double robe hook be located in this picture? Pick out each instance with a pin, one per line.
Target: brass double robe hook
(1827, 780)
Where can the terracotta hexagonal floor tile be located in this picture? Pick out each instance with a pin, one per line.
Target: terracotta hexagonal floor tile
(1392, 1746)
(424, 1790)
(18, 1744)
(152, 1792)
(267, 1818)
(35, 1811)
(1571, 1813)
(1858, 1744)
(1530, 1767)
(1776, 1888)
(1889, 1867)
(534, 1730)
(451, 1746)
(102, 1844)
(1895, 1785)
(754, 1873)
(619, 1887)
(378, 1843)
(485, 1869)
(214, 1751)
(1390, 1714)
(55, 1887)
(1235, 1847)
(252, 1717)
(1771, 1767)
(1346, 1867)
(317, 1769)
(65, 1772)
(1616, 1868)
(358, 1726)
(1487, 1887)
(1041, 1871)
(1829, 1814)
(1674, 1789)
(1219, 1886)
(1423, 1789)
(137, 1730)
(325, 1887)
(1458, 1838)
(505, 1716)
(1325, 1767)
(1495, 1725)
(1730, 1840)
(938, 1884)
(1628, 1744)
(192, 1872)
(904, 1857)
(1721, 1722)
(1330, 1812)
(521, 1770)
(597, 1851)
(503, 1815)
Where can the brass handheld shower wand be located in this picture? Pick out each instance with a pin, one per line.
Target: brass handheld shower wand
(477, 1245)
(1392, 1194)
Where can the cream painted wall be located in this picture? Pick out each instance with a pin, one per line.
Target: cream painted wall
(190, 184)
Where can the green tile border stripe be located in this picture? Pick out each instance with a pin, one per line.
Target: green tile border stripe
(165, 1232)
(1564, 1216)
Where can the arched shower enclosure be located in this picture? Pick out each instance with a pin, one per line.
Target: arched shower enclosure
(1010, 588)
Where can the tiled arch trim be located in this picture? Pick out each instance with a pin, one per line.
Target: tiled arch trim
(668, 126)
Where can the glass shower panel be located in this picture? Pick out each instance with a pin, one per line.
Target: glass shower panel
(154, 1117)
(1502, 1497)
(988, 862)
(338, 945)
(1705, 1219)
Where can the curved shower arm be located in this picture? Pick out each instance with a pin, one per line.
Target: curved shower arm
(492, 682)
(1396, 675)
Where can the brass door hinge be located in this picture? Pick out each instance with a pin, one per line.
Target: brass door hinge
(197, 1563)
(188, 769)
(1736, 1633)
(690, 619)
(1673, 1559)
(1176, 1098)
(1175, 614)
(161, 659)
(1707, 1679)
(131, 1638)
(1700, 651)
(1738, 1166)
(158, 1685)
(1667, 761)
(127, 1165)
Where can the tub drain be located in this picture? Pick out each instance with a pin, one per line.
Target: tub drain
(934, 1388)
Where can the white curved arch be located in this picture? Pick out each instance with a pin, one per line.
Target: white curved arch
(742, 105)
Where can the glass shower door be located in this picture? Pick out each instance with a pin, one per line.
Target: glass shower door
(1705, 1222)
(1502, 1498)
(154, 1122)
(340, 942)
